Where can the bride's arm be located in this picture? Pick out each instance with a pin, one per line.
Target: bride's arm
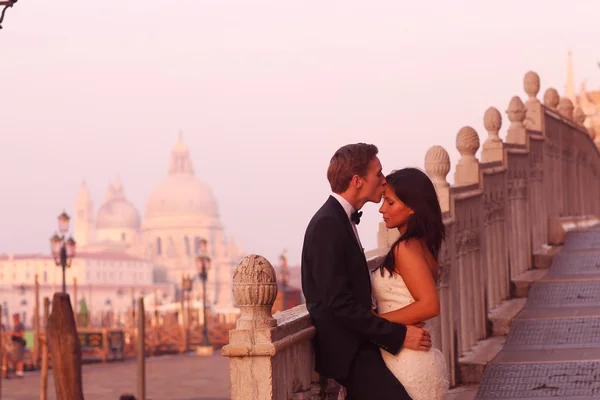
(411, 265)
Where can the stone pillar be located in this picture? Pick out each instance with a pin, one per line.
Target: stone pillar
(533, 107)
(437, 166)
(493, 148)
(517, 133)
(551, 99)
(250, 348)
(565, 108)
(467, 169)
(270, 359)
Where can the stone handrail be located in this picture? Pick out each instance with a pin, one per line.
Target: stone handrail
(503, 212)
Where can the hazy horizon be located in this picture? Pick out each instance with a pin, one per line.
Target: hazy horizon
(264, 93)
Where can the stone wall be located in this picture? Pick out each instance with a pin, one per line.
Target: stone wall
(504, 210)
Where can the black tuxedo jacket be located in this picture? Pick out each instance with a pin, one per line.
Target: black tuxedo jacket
(337, 288)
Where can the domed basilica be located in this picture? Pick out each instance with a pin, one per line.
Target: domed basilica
(181, 211)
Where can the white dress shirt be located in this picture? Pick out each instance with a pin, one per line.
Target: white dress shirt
(349, 210)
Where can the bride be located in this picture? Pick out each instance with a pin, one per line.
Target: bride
(404, 285)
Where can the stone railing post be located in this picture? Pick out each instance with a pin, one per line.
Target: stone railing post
(437, 166)
(269, 358)
(565, 108)
(468, 214)
(467, 169)
(533, 107)
(249, 349)
(494, 186)
(493, 148)
(517, 133)
(551, 99)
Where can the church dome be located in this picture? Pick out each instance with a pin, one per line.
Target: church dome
(117, 212)
(181, 193)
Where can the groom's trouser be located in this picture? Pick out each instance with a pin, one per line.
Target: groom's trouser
(370, 379)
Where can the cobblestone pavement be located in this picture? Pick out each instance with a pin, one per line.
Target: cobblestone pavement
(553, 347)
(179, 377)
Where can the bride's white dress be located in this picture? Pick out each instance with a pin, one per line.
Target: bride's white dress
(422, 373)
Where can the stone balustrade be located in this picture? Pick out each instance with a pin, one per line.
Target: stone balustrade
(504, 211)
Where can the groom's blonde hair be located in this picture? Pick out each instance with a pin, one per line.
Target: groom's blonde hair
(349, 160)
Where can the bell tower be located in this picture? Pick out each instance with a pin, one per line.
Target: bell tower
(84, 217)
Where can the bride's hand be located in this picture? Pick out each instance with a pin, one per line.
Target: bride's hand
(419, 324)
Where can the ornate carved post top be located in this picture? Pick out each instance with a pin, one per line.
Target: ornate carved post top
(254, 291)
(492, 147)
(565, 108)
(551, 98)
(533, 107)
(467, 169)
(531, 84)
(517, 133)
(437, 166)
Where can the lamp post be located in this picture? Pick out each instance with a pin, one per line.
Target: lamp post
(6, 4)
(203, 265)
(63, 249)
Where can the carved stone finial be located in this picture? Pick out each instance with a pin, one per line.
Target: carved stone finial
(551, 98)
(565, 108)
(467, 169)
(493, 148)
(254, 291)
(492, 121)
(531, 84)
(579, 116)
(467, 142)
(533, 107)
(517, 133)
(437, 166)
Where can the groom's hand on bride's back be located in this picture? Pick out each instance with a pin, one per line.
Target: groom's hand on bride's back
(417, 338)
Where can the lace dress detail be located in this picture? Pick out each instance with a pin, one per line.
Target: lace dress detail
(422, 373)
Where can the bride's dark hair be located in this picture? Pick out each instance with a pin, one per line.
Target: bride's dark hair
(414, 188)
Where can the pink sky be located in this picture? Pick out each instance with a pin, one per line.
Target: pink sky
(264, 91)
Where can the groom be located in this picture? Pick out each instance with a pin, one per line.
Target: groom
(337, 286)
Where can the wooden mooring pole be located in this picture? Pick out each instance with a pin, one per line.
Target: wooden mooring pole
(36, 324)
(65, 349)
(141, 353)
(44, 371)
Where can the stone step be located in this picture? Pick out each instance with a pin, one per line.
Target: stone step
(502, 316)
(463, 392)
(542, 258)
(522, 283)
(473, 363)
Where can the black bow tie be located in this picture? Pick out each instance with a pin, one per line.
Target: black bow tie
(355, 217)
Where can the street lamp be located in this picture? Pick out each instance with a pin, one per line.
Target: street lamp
(203, 265)
(6, 4)
(63, 249)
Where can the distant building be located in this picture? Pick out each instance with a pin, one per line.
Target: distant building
(120, 254)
